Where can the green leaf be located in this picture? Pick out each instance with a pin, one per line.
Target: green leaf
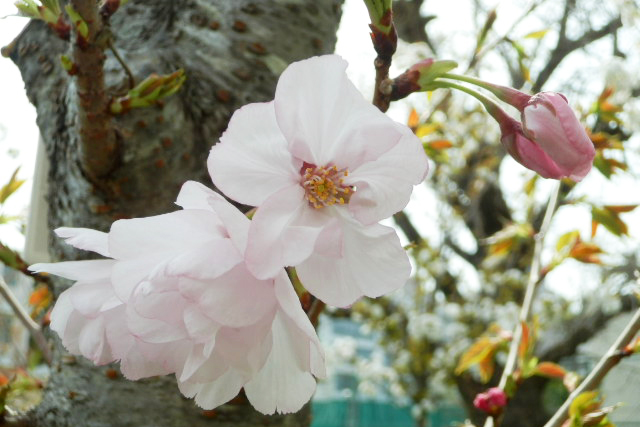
(584, 402)
(536, 34)
(81, 26)
(11, 187)
(610, 220)
(567, 240)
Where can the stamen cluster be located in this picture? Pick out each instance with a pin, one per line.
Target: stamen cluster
(324, 186)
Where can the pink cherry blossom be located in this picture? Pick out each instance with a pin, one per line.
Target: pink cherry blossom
(175, 297)
(323, 166)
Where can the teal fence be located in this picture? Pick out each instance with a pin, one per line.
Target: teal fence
(354, 413)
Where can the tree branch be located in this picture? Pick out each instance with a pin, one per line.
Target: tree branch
(402, 220)
(33, 328)
(565, 46)
(535, 277)
(98, 144)
(606, 363)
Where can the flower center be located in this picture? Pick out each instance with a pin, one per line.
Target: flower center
(324, 186)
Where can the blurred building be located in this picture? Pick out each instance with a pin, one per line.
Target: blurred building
(359, 388)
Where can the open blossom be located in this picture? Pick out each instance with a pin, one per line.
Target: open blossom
(323, 166)
(175, 297)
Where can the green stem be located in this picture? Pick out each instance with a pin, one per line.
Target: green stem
(491, 106)
(507, 94)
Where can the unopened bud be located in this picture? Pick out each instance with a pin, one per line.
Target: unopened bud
(491, 401)
(149, 92)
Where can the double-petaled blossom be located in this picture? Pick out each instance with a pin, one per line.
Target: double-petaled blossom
(175, 296)
(323, 166)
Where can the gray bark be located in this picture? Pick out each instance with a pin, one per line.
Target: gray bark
(233, 52)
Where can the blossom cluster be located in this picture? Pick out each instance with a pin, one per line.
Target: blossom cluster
(202, 292)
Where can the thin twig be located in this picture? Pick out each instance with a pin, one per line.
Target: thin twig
(33, 328)
(125, 67)
(535, 277)
(606, 363)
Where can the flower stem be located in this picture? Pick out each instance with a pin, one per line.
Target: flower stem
(507, 94)
(491, 106)
(535, 277)
(33, 328)
(606, 363)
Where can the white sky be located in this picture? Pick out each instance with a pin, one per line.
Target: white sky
(453, 30)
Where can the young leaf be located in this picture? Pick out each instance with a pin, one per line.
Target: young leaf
(584, 403)
(11, 187)
(536, 34)
(550, 370)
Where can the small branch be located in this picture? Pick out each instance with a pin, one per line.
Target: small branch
(535, 277)
(98, 144)
(606, 363)
(402, 220)
(13, 259)
(33, 328)
(125, 67)
(566, 46)
(384, 44)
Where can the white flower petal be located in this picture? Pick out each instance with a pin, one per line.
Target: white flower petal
(237, 298)
(215, 393)
(290, 306)
(86, 239)
(325, 119)
(384, 186)
(91, 342)
(284, 384)
(251, 161)
(374, 263)
(88, 299)
(283, 232)
(194, 195)
(87, 271)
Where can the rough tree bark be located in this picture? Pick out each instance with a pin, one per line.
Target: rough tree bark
(232, 52)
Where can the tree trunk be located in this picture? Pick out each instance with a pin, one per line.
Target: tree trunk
(232, 52)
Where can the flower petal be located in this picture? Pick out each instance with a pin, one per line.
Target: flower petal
(85, 239)
(251, 161)
(374, 263)
(194, 195)
(87, 271)
(325, 119)
(237, 298)
(290, 306)
(551, 123)
(384, 186)
(284, 384)
(215, 393)
(283, 232)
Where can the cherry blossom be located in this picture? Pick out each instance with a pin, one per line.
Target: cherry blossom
(323, 166)
(175, 297)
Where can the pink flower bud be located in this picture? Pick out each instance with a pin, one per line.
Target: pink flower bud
(549, 122)
(491, 401)
(550, 141)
